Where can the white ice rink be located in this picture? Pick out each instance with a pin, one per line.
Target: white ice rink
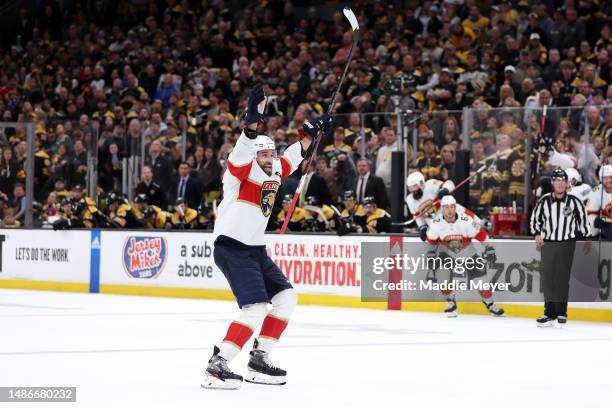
(149, 352)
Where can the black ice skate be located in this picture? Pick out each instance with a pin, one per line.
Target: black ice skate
(562, 320)
(451, 308)
(218, 375)
(545, 321)
(262, 371)
(493, 309)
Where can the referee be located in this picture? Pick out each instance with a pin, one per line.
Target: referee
(557, 221)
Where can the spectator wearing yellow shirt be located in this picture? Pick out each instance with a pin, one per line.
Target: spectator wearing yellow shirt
(338, 145)
(476, 21)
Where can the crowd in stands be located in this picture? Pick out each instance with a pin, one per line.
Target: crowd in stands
(170, 78)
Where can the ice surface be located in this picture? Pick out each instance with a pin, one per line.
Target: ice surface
(123, 351)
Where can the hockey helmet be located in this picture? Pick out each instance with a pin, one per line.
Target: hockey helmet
(179, 201)
(448, 200)
(369, 200)
(78, 207)
(605, 171)
(573, 175)
(148, 212)
(287, 198)
(262, 143)
(311, 200)
(113, 198)
(559, 173)
(204, 208)
(349, 195)
(415, 179)
(140, 198)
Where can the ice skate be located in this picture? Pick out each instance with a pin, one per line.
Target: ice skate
(218, 375)
(545, 321)
(451, 308)
(493, 309)
(262, 371)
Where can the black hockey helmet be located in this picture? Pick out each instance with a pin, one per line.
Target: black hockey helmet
(148, 212)
(179, 201)
(65, 201)
(113, 197)
(140, 199)
(311, 200)
(349, 194)
(559, 173)
(287, 198)
(78, 207)
(369, 200)
(204, 208)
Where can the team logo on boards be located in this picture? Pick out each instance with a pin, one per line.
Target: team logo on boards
(144, 257)
(267, 197)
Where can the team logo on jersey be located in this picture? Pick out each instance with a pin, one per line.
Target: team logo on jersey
(518, 168)
(606, 212)
(567, 210)
(144, 257)
(267, 197)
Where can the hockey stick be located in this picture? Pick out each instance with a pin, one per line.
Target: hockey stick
(348, 13)
(437, 200)
(541, 137)
(319, 212)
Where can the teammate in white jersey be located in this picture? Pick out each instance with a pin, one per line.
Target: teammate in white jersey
(250, 184)
(452, 233)
(422, 200)
(577, 188)
(599, 205)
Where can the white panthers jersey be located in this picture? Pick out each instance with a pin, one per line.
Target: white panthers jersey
(249, 193)
(464, 229)
(594, 207)
(430, 193)
(581, 191)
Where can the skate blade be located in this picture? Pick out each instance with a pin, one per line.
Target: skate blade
(497, 315)
(451, 314)
(545, 325)
(213, 383)
(255, 377)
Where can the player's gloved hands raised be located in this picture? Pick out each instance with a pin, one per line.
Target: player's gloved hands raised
(443, 192)
(256, 105)
(321, 124)
(423, 232)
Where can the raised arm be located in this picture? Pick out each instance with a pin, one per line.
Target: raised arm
(309, 132)
(240, 160)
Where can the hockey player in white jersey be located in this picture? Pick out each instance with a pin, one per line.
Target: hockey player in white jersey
(454, 232)
(422, 197)
(577, 188)
(599, 205)
(250, 184)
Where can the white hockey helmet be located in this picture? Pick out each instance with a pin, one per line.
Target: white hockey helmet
(263, 142)
(605, 171)
(573, 175)
(448, 200)
(414, 179)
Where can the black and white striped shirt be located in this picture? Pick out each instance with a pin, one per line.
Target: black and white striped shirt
(561, 219)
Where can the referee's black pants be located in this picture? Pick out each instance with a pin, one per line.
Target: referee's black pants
(557, 258)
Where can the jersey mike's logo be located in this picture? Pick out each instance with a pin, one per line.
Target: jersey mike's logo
(267, 197)
(144, 257)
